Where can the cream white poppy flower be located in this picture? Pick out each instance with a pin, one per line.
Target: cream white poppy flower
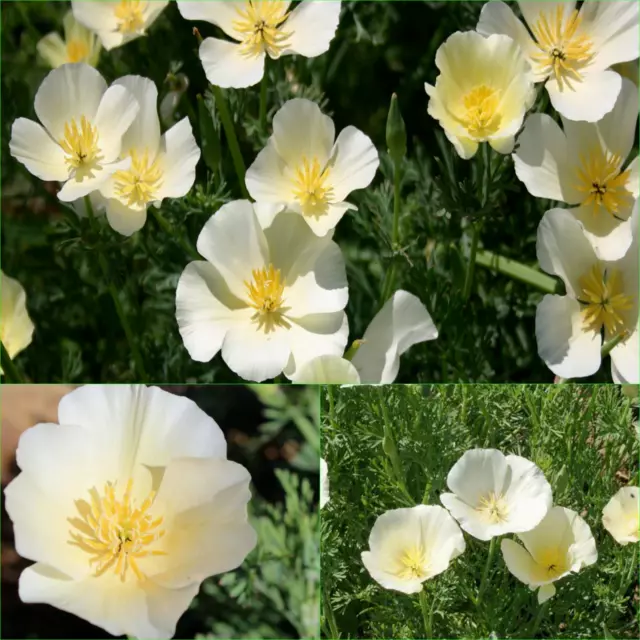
(324, 483)
(572, 51)
(126, 506)
(402, 322)
(585, 164)
(160, 166)
(484, 89)
(79, 144)
(621, 516)
(409, 546)
(269, 296)
(79, 45)
(494, 494)
(16, 328)
(601, 300)
(117, 22)
(305, 168)
(260, 28)
(561, 544)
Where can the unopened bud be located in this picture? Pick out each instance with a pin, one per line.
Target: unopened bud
(396, 132)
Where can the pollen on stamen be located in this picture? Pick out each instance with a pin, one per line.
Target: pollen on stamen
(259, 24)
(130, 16)
(83, 156)
(139, 185)
(266, 295)
(310, 188)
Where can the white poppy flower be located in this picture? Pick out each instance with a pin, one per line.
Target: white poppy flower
(601, 299)
(259, 28)
(80, 141)
(409, 546)
(494, 494)
(307, 169)
(79, 45)
(621, 516)
(160, 166)
(561, 544)
(16, 328)
(402, 322)
(585, 164)
(117, 22)
(126, 506)
(484, 89)
(324, 483)
(570, 50)
(269, 297)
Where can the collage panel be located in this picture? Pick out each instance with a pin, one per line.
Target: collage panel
(480, 511)
(149, 512)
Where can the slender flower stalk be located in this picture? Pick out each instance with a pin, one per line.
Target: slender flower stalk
(485, 574)
(137, 357)
(427, 615)
(517, 271)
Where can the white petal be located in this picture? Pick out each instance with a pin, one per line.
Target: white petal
(589, 100)
(545, 592)
(621, 516)
(203, 318)
(613, 28)
(17, 325)
(327, 370)
(563, 343)
(234, 243)
(625, 360)
(225, 65)
(70, 91)
(144, 132)
(386, 579)
(116, 111)
(301, 130)
(312, 25)
(540, 159)
(179, 155)
(222, 14)
(609, 237)
(532, 9)
(324, 483)
(504, 145)
(633, 183)
(267, 179)
(354, 163)
(470, 519)
(52, 49)
(123, 219)
(519, 562)
(32, 146)
(138, 425)
(402, 322)
(252, 353)
(97, 16)
(558, 231)
(74, 189)
(327, 222)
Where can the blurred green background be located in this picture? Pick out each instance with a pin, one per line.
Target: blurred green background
(380, 48)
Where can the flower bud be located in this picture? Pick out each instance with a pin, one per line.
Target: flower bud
(396, 132)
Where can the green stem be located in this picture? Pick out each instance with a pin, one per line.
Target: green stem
(485, 574)
(389, 281)
(332, 406)
(139, 364)
(517, 271)
(329, 615)
(263, 99)
(608, 347)
(468, 279)
(172, 233)
(542, 609)
(427, 615)
(232, 140)
(9, 369)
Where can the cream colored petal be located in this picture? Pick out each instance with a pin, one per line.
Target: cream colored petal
(621, 516)
(17, 328)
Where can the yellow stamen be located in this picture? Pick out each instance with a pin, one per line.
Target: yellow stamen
(114, 532)
(412, 563)
(553, 562)
(265, 294)
(83, 156)
(493, 508)
(603, 299)
(480, 116)
(130, 16)
(564, 52)
(259, 24)
(77, 50)
(605, 185)
(310, 190)
(139, 185)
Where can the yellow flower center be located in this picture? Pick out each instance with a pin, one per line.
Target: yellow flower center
(603, 300)
(553, 563)
(116, 533)
(140, 183)
(412, 564)
(564, 52)
(493, 508)
(602, 182)
(81, 147)
(259, 25)
(310, 189)
(77, 50)
(130, 16)
(481, 117)
(266, 297)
